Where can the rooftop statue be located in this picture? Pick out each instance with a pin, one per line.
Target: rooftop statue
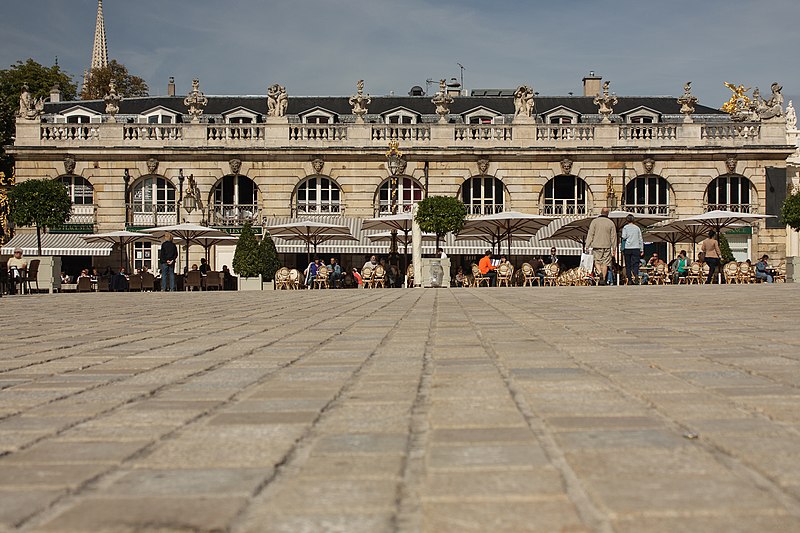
(359, 102)
(29, 108)
(772, 108)
(740, 106)
(523, 101)
(277, 101)
(791, 117)
(112, 100)
(442, 101)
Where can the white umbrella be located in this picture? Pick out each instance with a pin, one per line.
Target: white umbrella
(401, 239)
(505, 225)
(309, 231)
(315, 239)
(189, 233)
(400, 222)
(123, 238)
(208, 241)
(719, 219)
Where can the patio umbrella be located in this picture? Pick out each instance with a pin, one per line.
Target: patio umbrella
(680, 231)
(315, 239)
(405, 240)
(575, 232)
(505, 225)
(311, 232)
(489, 239)
(188, 233)
(208, 241)
(718, 219)
(400, 222)
(123, 238)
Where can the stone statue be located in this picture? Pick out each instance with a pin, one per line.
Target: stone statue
(687, 101)
(29, 108)
(236, 166)
(605, 103)
(772, 108)
(359, 102)
(112, 100)
(442, 101)
(277, 101)
(195, 101)
(69, 164)
(152, 165)
(791, 117)
(194, 191)
(523, 101)
(740, 107)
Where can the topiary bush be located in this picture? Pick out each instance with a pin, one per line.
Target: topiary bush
(790, 211)
(725, 248)
(441, 215)
(247, 259)
(269, 256)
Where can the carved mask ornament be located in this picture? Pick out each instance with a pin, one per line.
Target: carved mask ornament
(318, 164)
(730, 164)
(236, 166)
(152, 165)
(69, 165)
(649, 164)
(401, 166)
(566, 166)
(483, 166)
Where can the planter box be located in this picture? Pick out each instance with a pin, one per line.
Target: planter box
(250, 284)
(793, 269)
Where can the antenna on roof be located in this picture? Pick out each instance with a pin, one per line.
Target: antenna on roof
(463, 68)
(428, 83)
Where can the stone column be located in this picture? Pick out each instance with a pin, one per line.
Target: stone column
(416, 247)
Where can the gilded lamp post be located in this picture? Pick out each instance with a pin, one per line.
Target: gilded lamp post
(394, 161)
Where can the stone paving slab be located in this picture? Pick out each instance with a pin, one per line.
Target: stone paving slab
(605, 409)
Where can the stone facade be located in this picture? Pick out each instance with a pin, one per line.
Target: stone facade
(277, 152)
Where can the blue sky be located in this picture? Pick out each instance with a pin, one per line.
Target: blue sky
(321, 47)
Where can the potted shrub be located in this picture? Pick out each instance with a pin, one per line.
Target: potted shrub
(248, 261)
(790, 215)
(269, 258)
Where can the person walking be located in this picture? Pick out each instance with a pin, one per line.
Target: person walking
(632, 249)
(168, 254)
(711, 254)
(602, 239)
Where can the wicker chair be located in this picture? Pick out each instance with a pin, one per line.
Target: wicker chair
(213, 280)
(194, 280)
(478, 278)
(693, 275)
(746, 273)
(705, 269)
(505, 272)
(367, 277)
(149, 281)
(551, 274)
(529, 276)
(135, 282)
(294, 279)
(282, 278)
(378, 277)
(731, 272)
(780, 273)
(321, 278)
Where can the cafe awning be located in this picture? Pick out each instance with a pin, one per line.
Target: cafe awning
(56, 244)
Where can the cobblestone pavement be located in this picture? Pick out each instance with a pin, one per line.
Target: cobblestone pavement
(641, 409)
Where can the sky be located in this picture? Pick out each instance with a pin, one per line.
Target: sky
(322, 47)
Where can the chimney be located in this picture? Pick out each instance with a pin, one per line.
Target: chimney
(55, 94)
(592, 84)
(171, 86)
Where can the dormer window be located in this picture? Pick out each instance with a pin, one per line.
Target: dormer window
(400, 116)
(160, 119)
(641, 120)
(78, 119)
(240, 120)
(317, 119)
(161, 115)
(561, 115)
(318, 115)
(482, 115)
(240, 115)
(78, 115)
(641, 115)
(561, 119)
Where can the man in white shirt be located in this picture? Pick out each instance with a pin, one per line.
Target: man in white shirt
(441, 253)
(632, 249)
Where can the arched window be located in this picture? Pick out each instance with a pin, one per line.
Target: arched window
(483, 195)
(234, 201)
(80, 190)
(730, 192)
(647, 194)
(409, 192)
(564, 195)
(317, 195)
(153, 200)
(81, 193)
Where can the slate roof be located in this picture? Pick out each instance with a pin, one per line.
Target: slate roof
(381, 104)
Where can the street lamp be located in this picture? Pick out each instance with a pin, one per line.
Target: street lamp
(189, 201)
(181, 178)
(126, 177)
(394, 161)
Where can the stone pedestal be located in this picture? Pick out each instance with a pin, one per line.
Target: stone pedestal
(426, 270)
(250, 284)
(793, 269)
(49, 275)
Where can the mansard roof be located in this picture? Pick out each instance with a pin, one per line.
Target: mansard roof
(217, 105)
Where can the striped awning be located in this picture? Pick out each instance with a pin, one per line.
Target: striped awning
(364, 245)
(56, 244)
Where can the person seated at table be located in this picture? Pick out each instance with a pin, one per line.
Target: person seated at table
(95, 275)
(194, 266)
(487, 268)
(311, 271)
(85, 273)
(537, 263)
(644, 275)
(553, 258)
(119, 283)
(335, 273)
(763, 270)
(17, 267)
(460, 277)
(65, 278)
(372, 263)
(204, 268)
(653, 261)
(357, 277)
(681, 267)
(228, 279)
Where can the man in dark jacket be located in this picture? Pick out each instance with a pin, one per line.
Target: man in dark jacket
(167, 256)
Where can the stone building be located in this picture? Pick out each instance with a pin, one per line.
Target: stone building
(127, 161)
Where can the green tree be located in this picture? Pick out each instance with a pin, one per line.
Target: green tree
(790, 211)
(41, 203)
(127, 84)
(441, 215)
(269, 257)
(40, 80)
(725, 248)
(247, 259)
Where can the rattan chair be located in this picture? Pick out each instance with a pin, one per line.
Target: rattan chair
(321, 278)
(294, 279)
(529, 276)
(504, 274)
(731, 272)
(379, 277)
(149, 282)
(746, 273)
(366, 277)
(194, 280)
(551, 274)
(478, 278)
(213, 280)
(282, 278)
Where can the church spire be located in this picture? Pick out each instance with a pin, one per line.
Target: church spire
(99, 50)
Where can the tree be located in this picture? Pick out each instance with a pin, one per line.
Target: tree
(269, 257)
(725, 248)
(247, 259)
(126, 83)
(41, 203)
(441, 215)
(40, 80)
(790, 211)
